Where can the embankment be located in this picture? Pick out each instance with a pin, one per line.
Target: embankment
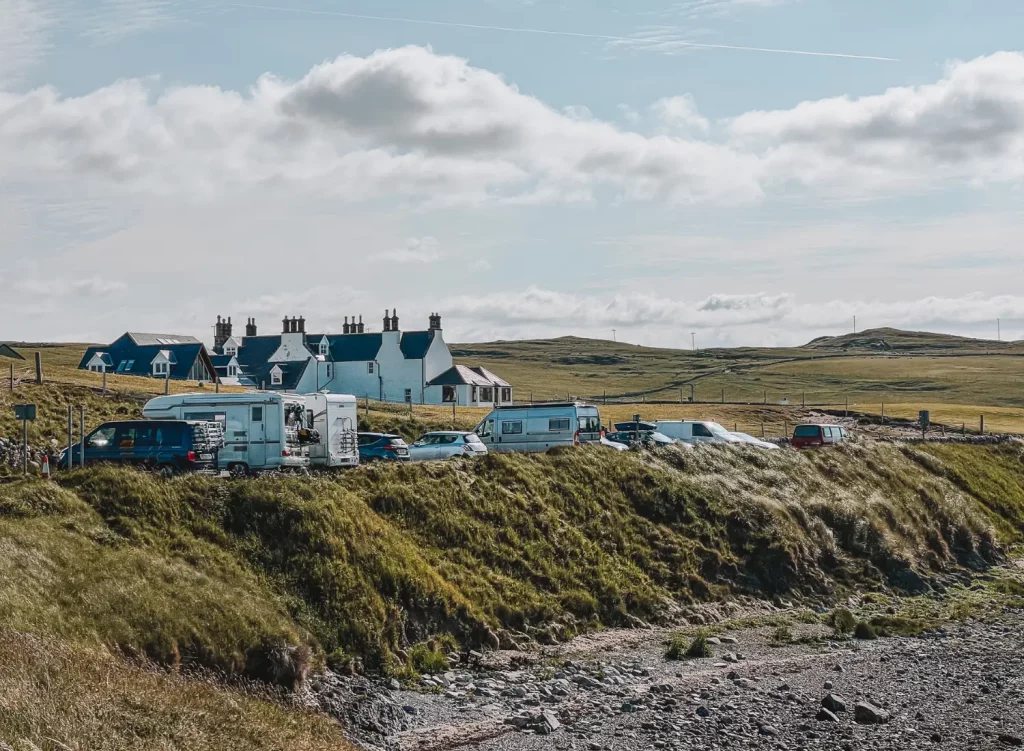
(270, 578)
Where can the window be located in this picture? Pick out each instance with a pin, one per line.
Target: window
(95, 368)
(130, 365)
(512, 427)
(506, 395)
(448, 394)
(230, 349)
(701, 431)
(161, 368)
(328, 371)
(121, 366)
(408, 396)
(365, 440)
(102, 437)
(125, 437)
(447, 440)
(324, 347)
(590, 424)
(369, 368)
(144, 435)
(472, 396)
(232, 371)
(486, 428)
(275, 377)
(557, 424)
(257, 414)
(806, 431)
(487, 394)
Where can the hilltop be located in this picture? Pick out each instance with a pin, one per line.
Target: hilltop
(898, 341)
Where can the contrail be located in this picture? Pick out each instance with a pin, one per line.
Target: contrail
(550, 32)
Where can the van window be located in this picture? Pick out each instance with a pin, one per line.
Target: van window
(102, 437)
(557, 424)
(806, 431)
(512, 427)
(126, 437)
(144, 435)
(167, 435)
(257, 414)
(590, 424)
(486, 428)
(701, 431)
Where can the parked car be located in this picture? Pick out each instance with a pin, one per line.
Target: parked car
(446, 445)
(166, 445)
(812, 436)
(696, 431)
(615, 445)
(649, 438)
(382, 447)
(750, 440)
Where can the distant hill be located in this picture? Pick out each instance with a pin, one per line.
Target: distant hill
(886, 340)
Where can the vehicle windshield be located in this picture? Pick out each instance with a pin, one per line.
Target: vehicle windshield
(806, 431)
(718, 430)
(473, 438)
(590, 423)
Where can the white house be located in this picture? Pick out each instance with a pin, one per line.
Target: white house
(391, 365)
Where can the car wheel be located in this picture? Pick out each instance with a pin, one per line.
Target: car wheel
(239, 470)
(166, 470)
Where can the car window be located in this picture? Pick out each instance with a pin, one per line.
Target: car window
(701, 431)
(590, 424)
(447, 440)
(102, 437)
(366, 440)
(512, 427)
(395, 442)
(558, 423)
(486, 428)
(806, 431)
(473, 438)
(125, 437)
(145, 435)
(167, 435)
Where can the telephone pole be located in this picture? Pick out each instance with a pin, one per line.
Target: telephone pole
(693, 341)
(613, 336)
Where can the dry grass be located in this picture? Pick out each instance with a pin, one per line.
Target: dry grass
(60, 697)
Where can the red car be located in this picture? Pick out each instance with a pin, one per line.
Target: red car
(813, 436)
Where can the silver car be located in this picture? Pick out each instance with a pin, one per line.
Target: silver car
(446, 445)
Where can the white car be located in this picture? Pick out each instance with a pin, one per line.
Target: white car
(446, 445)
(750, 440)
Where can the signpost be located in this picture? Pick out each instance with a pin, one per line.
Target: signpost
(26, 413)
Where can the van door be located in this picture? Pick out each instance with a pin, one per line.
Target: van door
(257, 435)
(486, 432)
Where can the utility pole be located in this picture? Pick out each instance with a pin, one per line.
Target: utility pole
(693, 341)
(855, 324)
(614, 339)
(999, 330)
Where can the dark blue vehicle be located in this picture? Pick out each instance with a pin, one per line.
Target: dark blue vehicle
(382, 447)
(168, 446)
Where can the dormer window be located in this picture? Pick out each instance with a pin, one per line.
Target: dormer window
(276, 378)
(230, 349)
(232, 371)
(325, 347)
(161, 368)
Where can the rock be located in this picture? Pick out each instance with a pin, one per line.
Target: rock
(1010, 740)
(394, 685)
(728, 640)
(549, 723)
(703, 711)
(768, 731)
(491, 639)
(714, 640)
(744, 683)
(834, 703)
(866, 713)
(828, 685)
(825, 716)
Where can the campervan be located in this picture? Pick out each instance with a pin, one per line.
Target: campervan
(267, 431)
(540, 427)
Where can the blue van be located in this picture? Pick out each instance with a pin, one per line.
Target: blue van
(168, 446)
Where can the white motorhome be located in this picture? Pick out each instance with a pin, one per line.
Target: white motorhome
(696, 431)
(265, 430)
(540, 427)
(335, 417)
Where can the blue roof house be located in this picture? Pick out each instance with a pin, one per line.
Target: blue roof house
(179, 358)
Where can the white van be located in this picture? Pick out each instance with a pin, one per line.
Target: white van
(696, 431)
(264, 430)
(540, 427)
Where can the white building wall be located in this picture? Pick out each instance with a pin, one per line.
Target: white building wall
(354, 378)
(438, 359)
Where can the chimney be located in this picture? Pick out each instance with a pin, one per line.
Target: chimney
(362, 329)
(344, 329)
(284, 330)
(394, 320)
(222, 332)
(387, 320)
(302, 325)
(250, 327)
(435, 321)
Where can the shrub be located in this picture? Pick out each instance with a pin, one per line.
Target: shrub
(680, 647)
(864, 630)
(781, 635)
(424, 658)
(843, 621)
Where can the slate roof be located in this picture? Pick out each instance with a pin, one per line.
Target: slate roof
(416, 343)
(490, 376)
(355, 347)
(459, 375)
(129, 358)
(291, 374)
(148, 340)
(106, 359)
(256, 350)
(221, 361)
(8, 351)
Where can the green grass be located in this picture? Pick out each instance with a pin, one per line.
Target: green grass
(682, 647)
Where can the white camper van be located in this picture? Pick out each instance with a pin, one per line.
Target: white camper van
(696, 431)
(264, 431)
(540, 427)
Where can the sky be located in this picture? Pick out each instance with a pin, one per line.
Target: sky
(729, 172)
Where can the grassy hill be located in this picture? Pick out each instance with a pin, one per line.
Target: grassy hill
(869, 368)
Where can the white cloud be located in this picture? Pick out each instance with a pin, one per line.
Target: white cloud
(90, 287)
(416, 250)
(969, 125)
(679, 113)
(24, 37)
(545, 312)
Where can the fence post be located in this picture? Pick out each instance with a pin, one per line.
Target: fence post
(785, 428)
(167, 381)
(680, 396)
(762, 430)
(12, 377)
(81, 429)
(693, 393)
(883, 413)
(723, 396)
(39, 367)
(766, 398)
(983, 424)
(803, 400)
(847, 412)
(963, 429)
(71, 435)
